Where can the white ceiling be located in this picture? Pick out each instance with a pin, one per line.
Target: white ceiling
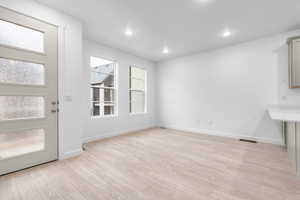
(185, 26)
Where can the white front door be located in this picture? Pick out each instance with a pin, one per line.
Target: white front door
(28, 91)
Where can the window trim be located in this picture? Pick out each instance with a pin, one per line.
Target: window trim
(115, 89)
(144, 91)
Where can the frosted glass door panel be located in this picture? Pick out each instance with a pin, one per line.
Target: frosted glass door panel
(21, 107)
(21, 37)
(19, 72)
(21, 142)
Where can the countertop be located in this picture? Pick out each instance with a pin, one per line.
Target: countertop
(285, 112)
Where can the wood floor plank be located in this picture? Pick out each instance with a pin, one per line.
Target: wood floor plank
(162, 164)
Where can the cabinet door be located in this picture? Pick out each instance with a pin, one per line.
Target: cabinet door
(294, 63)
(291, 142)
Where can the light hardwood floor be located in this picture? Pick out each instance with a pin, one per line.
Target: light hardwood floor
(161, 164)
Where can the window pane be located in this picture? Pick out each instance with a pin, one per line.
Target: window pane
(138, 73)
(109, 81)
(95, 94)
(19, 72)
(103, 95)
(21, 37)
(99, 109)
(103, 80)
(21, 142)
(137, 102)
(108, 110)
(137, 84)
(21, 107)
(102, 86)
(103, 75)
(108, 95)
(95, 109)
(102, 100)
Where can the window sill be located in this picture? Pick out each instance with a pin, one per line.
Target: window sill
(104, 117)
(142, 113)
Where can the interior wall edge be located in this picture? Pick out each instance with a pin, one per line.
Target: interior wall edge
(70, 154)
(89, 40)
(291, 33)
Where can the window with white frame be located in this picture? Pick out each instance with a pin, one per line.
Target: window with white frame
(137, 90)
(103, 87)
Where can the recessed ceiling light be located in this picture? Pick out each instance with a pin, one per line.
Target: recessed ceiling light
(165, 50)
(204, 2)
(226, 33)
(128, 32)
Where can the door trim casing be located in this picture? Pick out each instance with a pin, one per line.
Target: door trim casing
(63, 66)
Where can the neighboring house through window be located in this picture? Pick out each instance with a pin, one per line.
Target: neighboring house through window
(103, 87)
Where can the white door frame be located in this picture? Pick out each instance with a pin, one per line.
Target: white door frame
(61, 58)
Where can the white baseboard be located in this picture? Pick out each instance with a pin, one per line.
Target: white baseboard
(77, 152)
(70, 154)
(225, 134)
(115, 133)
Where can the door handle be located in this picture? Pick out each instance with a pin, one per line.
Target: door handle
(54, 103)
(54, 110)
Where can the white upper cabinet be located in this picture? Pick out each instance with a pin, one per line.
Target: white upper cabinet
(294, 62)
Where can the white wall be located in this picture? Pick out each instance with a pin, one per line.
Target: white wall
(104, 127)
(70, 84)
(227, 91)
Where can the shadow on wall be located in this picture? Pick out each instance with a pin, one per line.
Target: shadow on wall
(268, 126)
(264, 126)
